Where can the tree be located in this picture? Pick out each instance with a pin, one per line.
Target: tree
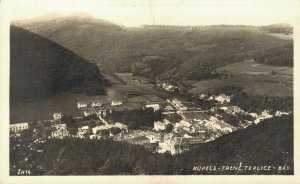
(169, 128)
(132, 125)
(115, 130)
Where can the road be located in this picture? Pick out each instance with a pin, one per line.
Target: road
(99, 116)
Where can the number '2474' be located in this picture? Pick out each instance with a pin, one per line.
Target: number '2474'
(23, 172)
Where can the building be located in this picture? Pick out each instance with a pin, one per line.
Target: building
(168, 87)
(280, 113)
(88, 113)
(158, 125)
(174, 144)
(57, 116)
(176, 102)
(18, 127)
(185, 123)
(155, 107)
(82, 131)
(60, 132)
(82, 104)
(223, 99)
(96, 103)
(116, 103)
(96, 129)
(169, 108)
(183, 107)
(121, 126)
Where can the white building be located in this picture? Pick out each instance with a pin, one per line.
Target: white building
(82, 131)
(155, 107)
(88, 113)
(116, 103)
(158, 125)
(96, 104)
(168, 87)
(18, 127)
(82, 105)
(176, 102)
(280, 113)
(57, 116)
(60, 132)
(185, 123)
(223, 99)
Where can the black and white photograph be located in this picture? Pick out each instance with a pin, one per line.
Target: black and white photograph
(144, 87)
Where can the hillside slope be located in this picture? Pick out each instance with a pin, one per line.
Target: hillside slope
(156, 51)
(40, 68)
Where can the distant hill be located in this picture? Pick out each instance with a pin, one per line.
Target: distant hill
(166, 52)
(40, 68)
(278, 28)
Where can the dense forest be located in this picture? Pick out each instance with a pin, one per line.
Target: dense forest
(277, 56)
(40, 68)
(268, 143)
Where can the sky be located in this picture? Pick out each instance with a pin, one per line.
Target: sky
(164, 12)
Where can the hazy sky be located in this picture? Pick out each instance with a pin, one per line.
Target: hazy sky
(172, 12)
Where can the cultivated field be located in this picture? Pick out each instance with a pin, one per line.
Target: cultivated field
(254, 78)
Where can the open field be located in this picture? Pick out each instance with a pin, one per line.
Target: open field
(127, 91)
(254, 78)
(44, 109)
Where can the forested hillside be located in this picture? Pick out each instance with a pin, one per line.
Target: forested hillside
(40, 68)
(166, 52)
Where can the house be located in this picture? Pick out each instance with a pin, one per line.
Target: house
(280, 113)
(169, 108)
(223, 99)
(253, 114)
(158, 125)
(155, 107)
(266, 114)
(185, 123)
(18, 127)
(82, 104)
(88, 113)
(154, 138)
(100, 128)
(121, 126)
(57, 116)
(82, 131)
(182, 107)
(60, 132)
(96, 103)
(168, 87)
(116, 102)
(177, 145)
(224, 108)
(235, 109)
(176, 102)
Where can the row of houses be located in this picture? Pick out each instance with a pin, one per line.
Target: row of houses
(18, 127)
(96, 103)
